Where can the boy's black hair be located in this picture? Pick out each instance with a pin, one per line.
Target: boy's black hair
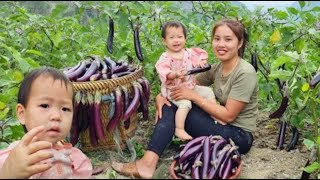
(25, 87)
(173, 24)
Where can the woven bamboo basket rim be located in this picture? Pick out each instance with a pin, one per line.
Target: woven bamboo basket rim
(108, 85)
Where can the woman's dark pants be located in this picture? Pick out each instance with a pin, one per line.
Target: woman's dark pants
(198, 123)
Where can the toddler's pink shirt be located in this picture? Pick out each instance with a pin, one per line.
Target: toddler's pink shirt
(68, 163)
(166, 64)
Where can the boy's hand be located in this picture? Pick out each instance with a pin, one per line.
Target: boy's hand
(202, 63)
(180, 74)
(23, 160)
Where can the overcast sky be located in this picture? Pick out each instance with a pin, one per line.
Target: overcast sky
(276, 4)
(269, 3)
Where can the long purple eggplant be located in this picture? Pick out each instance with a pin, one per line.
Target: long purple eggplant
(227, 171)
(226, 162)
(104, 67)
(78, 72)
(190, 152)
(91, 70)
(134, 104)
(294, 139)
(97, 116)
(84, 122)
(68, 71)
(222, 155)
(199, 70)
(143, 103)
(145, 86)
(206, 157)
(282, 135)
(216, 148)
(315, 80)
(114, 121)
(92, 129)
(74, 131)
(123, 67)
(195, 170)
(191, 143)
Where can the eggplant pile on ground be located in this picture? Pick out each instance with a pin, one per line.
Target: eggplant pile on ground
(207, 157)
(96, 68)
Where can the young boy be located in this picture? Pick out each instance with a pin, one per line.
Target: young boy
(45, 108)
(172, 66)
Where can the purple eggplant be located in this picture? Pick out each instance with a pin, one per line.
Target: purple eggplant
(74, 131)
(78, 72)
(143, 103)
(192, 143)
(91, 70)
(92, 129)
(122, 68)
(97, 116)
(134, 104)
(216, 148)
(205, 157)
(114, 121)
(195, 170)
(315, 80)
(227, 170)
(222, 155)
(190, 152)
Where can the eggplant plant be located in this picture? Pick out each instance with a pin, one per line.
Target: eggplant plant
(313, 144)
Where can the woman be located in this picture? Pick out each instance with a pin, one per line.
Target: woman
(235, 85)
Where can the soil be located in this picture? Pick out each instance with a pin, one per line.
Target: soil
(264, 160)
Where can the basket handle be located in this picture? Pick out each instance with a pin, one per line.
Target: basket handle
(129, 145)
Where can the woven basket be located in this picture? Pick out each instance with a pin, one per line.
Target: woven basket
(106, 87)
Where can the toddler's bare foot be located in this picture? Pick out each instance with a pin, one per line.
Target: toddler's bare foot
(182, 134)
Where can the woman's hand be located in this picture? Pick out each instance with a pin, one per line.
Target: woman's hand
(160, 101)
(179, 93)
(23, 160)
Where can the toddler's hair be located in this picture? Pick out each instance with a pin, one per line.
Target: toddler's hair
(173, 24)
(25, 87)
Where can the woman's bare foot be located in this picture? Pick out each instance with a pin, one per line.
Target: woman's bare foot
(182, 134)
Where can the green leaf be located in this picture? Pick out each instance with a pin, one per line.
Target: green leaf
(17, 129)
(313, 167)
(32, 63)
(2, 105)
(299, 45)
(34, 52)
(281, 14)
(5, 58)
(24, 65)
(293, 55)
(302, 4)
(57, 38)
(283, 75)
(275, 37)
(280, 61)
(309, 144)
(317, 8)
(305, 87)
(17, 76)
(58, 10)
(293, 10)
(3, 113)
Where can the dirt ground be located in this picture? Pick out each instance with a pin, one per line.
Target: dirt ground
(264, 161)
